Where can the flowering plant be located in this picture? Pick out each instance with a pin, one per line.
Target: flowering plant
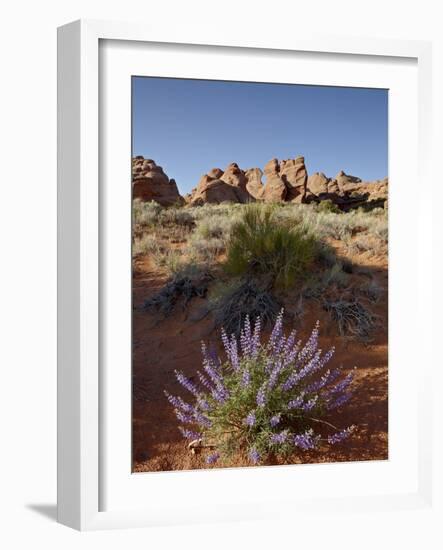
(265, 398)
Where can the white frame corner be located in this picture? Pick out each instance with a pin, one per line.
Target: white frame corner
(79, 251)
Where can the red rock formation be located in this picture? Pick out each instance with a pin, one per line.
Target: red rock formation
(286, 180)
(150, 183)
(275, 189)
(293, 173)
(254, 185)
(318, 184)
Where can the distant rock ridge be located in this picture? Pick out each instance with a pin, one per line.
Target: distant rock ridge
(284, 181)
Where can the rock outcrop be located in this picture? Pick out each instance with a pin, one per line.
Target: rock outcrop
(317, 184)
(213, 191)
(346, 182)
(150, 183)
(254, 185)
(275, 189)
(230, 185)
(347, 191)
(295, 176)
(284, 181)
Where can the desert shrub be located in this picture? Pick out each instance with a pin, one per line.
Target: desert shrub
(328, 206)
(242, 299)
(184, 286)
(206, 211)
(205, 250)
(259, 245)
(380, 229)
(145, 244)
(170, 260)
(335, 276)
(264, 398)
(176, 216)
(214, 226)
(328, 224)
(326, 255)
(371, 290)
(366, 244)
(145, 213)
(352, 317)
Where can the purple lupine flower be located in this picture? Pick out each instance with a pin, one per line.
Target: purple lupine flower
(205, 382)
(212, 458)
(250, 419)
(291, 357)
(309, 405)
(340, 436)
(211, 370)
(311, 345)
(290, 341)
(246, 338)
(317, 362)
(306, 440)
(234, 353)
(210, 358)
(203, 404)
(246, 377)
(183, 417)
(178, 403)
(255, 345)
(342, 385)
(219, 392)
(297, 402)
(202, 419)
(274, 375)
(254, 456)
(276, 331)
(312, 366)
(290, 381)
(261, 396)
(226, 342)
(339, 401)
(220, 395)
(269, 365)
(275, 420)
(186, 383)
(278, 439)
(318, 384)
(281, 358)
(189, 434)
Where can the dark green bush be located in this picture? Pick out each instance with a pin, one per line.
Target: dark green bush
(261, 245)
(328, 206)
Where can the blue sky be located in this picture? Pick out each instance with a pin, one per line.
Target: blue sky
(191, 126)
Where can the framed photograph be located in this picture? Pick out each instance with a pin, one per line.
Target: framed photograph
(239, 228)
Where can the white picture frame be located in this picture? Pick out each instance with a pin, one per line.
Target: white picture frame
(82, 259)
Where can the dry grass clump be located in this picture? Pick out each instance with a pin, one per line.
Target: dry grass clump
(372, 291)
(146, 244)
(145, 214)
(245, 298)
(366, 244)
(183, 287)
(261, 246)
(353, 318)
(176, 217)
